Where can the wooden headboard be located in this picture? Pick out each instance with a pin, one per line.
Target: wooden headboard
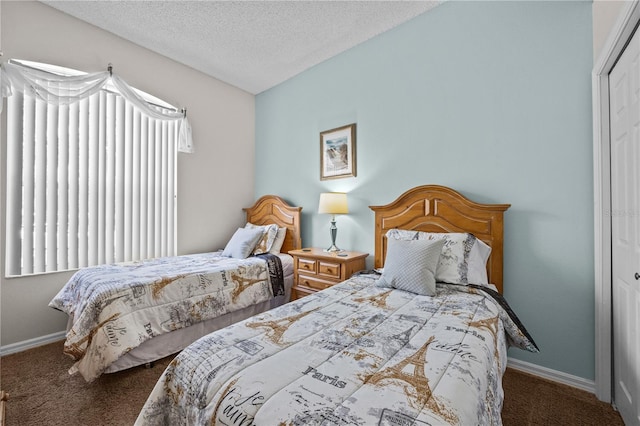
(434, 208)
(273, 209)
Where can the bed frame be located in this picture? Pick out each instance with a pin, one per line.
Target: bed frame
(273, 209)
(434, 208)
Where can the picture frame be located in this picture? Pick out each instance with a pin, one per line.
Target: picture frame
(338, 152)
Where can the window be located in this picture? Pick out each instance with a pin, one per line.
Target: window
(88, 183)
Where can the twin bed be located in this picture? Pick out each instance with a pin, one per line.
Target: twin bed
(124, 315)
(382, 348)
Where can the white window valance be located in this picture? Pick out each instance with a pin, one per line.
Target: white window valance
(64, 90)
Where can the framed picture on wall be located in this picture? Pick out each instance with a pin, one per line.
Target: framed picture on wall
(338, 152)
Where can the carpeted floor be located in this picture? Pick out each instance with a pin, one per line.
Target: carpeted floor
(530, 400)
(42, 393)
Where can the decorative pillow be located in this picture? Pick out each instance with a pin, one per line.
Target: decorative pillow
(478, 256)
(410, 265)
(268, 237)
(453, 263)
(277, 243)
(242, 243)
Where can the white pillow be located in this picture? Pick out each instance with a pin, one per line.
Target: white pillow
(410, 265)
(277, 243)
(454, 259)
(477, 270)
(242, 243)
(268, 237)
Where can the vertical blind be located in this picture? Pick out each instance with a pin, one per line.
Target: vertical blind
(88, 183)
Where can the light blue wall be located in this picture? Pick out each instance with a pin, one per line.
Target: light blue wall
(490, 98)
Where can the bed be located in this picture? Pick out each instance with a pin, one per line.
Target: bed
(367, 351)
(128, 314)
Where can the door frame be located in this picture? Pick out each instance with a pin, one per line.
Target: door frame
(616, 42)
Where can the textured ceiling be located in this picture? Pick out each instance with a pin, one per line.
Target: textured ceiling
(253, 45)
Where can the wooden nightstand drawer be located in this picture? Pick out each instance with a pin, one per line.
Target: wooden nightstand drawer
(316, 269)
(299, 292)
(314, 283)
(307, 265)
(330, 269)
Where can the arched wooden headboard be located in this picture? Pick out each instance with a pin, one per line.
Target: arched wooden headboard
(434, 208)
(273, 209)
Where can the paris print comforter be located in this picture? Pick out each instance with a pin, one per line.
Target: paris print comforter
(354, 354)
(114, 308)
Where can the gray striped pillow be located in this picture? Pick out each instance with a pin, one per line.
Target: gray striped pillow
(410, 265)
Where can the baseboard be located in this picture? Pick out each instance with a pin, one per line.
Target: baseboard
(553, 375)
(31, 343)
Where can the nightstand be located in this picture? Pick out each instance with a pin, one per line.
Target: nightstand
(315, 269)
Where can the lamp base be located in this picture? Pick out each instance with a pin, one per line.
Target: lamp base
(334, 231)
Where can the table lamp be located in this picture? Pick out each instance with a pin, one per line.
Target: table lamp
(333, 203)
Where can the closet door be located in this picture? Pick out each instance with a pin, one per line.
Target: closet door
(624, 88)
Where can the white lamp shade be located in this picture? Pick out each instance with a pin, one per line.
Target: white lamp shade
(333, 203)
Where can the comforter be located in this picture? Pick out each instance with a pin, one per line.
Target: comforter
(354, 354)
(114, 308)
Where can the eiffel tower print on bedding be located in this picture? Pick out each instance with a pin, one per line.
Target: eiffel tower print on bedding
(354, 354)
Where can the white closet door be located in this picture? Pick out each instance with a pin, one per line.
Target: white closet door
(624, 86)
